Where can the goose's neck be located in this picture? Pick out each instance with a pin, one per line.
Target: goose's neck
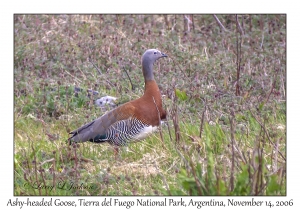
(147, 70)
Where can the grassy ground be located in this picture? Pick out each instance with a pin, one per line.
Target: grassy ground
(224, 87)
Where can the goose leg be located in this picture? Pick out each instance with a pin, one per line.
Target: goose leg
(116, 152)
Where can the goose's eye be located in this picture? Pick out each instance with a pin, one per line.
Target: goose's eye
(155, 53)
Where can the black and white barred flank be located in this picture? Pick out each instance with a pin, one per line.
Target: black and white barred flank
(126, 131)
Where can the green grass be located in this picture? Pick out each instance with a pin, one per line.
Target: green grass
(230, 141)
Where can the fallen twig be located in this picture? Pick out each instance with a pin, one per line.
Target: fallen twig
(219, 23)
(132, 86)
